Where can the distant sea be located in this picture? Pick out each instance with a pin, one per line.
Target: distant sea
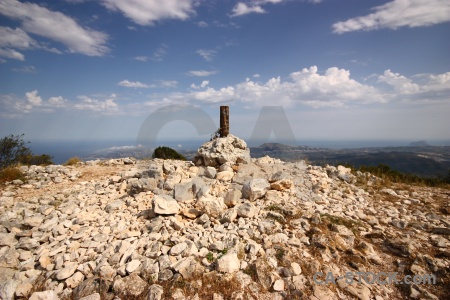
(62, 150)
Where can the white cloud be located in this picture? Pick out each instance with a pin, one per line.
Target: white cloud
(55, 26)
(201, 73)
(400, 83)
(255, 6)
(160, 84)
(33, 98)
(242, 8)
(13, 107)
(13, 39)
(256, 75)
(25, 69)
(135, 84)
(307, 87)
(13, 54)
(57, 102)
(202, 85)
(147, 12)
(207, 55)
(159, 54)
(142, 58)
(399, 13)
(107, 106)
(168, 83)
(202, 24)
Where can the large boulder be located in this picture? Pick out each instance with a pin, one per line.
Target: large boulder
(221, 150)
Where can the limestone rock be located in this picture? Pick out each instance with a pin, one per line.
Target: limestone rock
(255, 189)
(229, 263)
(165, 205)
(155, 292)
(132, 285)
(246, 210)
(210, 172)
(225, 175)
(232, 197)
(7, 239)
(7, 289)
(183, 191)
(221, 150)
(213, 207)
(66, 272)
(75, 280)
(95, 296)
(46, 295)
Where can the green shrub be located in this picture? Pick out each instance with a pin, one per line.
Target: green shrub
(12, 150)
(167, 153)
(38, 160)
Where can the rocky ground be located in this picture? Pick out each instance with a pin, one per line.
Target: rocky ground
(255, 229)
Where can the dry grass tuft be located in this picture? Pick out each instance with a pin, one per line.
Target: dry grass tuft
(72, 161)
(10, 174)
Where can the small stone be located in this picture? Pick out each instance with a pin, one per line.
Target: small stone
(132, 266)
(46, 295)
(225, 175)
(232, 197)
(210, 172)
(165, 205)
(178, 249)
(296, 269)
(95, 296)
(255, 189)
(7, 239)
(44, 261)
(23, 290)
(132, 285)
(155, 292)
(229, 263)
(75, 280)
(246, 210)
(278, 285)
(115, 205)
(66, 272)
(191, 213)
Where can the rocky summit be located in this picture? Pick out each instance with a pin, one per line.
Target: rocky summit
(225, 227)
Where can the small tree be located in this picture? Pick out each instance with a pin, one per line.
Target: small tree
(12, 150)
(167, 153)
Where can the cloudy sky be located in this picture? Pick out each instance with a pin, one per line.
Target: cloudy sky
(340, 70)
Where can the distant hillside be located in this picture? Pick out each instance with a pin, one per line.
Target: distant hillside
(425, 161)
(419, 144)
(404, 162)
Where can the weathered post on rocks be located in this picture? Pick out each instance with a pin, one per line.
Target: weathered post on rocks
(224, 121)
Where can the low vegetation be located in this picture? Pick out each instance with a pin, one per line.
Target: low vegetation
(10, 174)
(386, 173)
(14, 153)
(38, 160)
(167, 153)
(72, 161)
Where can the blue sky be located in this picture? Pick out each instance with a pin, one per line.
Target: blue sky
(341, 70)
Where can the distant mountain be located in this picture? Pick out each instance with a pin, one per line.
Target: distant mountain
(419, 144)
(422, 160)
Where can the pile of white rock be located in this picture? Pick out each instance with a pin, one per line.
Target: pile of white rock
(270, 224)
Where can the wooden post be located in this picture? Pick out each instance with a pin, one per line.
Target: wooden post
(224, 121)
